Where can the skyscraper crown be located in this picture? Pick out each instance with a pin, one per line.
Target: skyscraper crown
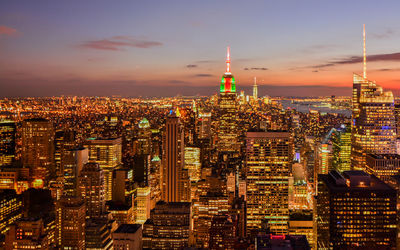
(228, 83)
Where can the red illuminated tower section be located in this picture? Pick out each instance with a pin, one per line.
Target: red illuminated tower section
(228, 81)
(227, 131)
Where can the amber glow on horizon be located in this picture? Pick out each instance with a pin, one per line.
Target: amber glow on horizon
(104, 48)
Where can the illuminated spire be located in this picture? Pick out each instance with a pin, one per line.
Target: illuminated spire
(228, 60)
(364, 57)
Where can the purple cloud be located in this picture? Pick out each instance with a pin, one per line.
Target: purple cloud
(203, 75)
(256, 68)
(119, 43)
(358, 59)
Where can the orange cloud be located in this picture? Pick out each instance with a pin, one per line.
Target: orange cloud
(7, 31)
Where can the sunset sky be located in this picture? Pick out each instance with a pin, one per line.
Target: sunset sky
(156, 48)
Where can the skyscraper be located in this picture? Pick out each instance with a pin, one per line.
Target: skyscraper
(92, 187)
(71, 209)
(168, 227)
(255, 89)
(38, 148)
(341, 148)
(227, 130)
(383, 166)
(175, 187)
(70, 224)
(192, 163)
(10, 208)
(63, 141)
(268, 160)
(7, 142)
(355, 209)
(141, 204)
(107, 152)
(72, 164)
(144, 138)
(204, 209)
(374, 123)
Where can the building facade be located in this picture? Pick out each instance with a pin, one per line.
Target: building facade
(268, 162)
(108, 154)
(355, 209)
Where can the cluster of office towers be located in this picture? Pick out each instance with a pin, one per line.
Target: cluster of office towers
(180, 204)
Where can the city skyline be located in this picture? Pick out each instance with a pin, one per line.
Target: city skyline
(199, 125)
(129, 48)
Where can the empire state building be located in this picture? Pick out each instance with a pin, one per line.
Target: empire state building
(227, 131)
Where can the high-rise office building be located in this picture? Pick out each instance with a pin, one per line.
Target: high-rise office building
(154, 181)
(227, 131)
(223, 232)
(175, 185)
(203, 125)
(92, 189)
(373, 116)
(268, 162)
(70, 223)
(72, 165)
(192, 163)
(314, 126)
(63, 141)
(141, 204)
(169, 226)
(7, 142)
(383, 166)
(204, 209)
(38, 148)
(341, 148)
(143, 146)
(355, 209)
(108, 154)
(10, 208)
(323, 156)
(71, 209)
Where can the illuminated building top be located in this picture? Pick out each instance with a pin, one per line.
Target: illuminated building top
(228, 83)
(144, 123)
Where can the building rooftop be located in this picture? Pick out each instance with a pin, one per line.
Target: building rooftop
(36, 120)
(128, 228)
(384, 156)
(281, 242)
(354, 181)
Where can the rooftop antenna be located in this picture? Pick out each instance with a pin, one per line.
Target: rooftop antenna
(228, 60)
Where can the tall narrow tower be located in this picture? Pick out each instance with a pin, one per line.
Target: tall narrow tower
(174, 176)
(255, 89)
(227, 129)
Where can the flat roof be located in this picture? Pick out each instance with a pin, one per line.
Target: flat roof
(375, 184)
(128, 228)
